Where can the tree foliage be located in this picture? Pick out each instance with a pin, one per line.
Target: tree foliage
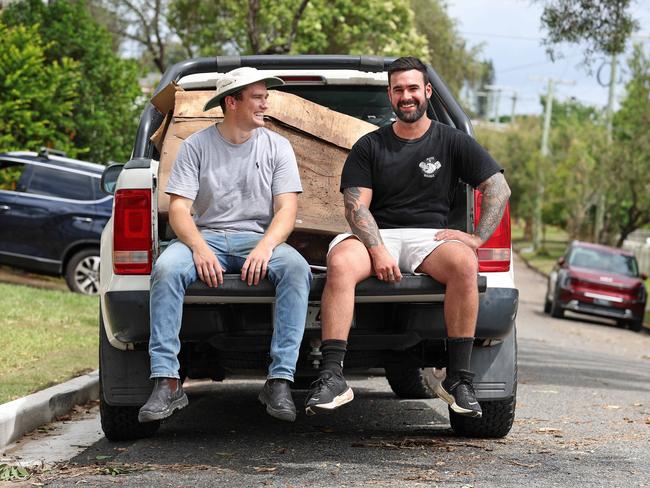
(603, 26)
(296, 26)
(104, 111)
(37, 96)
(628, 205)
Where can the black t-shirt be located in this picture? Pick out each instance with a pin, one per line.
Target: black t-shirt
(412, 180)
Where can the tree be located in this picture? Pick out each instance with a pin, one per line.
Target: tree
(36, 97)
(628, 204)
(602, 26)
(517, 150)
(105, 110)
(296, 26)
(578, 155)
(142, 22)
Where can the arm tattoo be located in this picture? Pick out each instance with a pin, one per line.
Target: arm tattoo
(361, 221)
(495, 192)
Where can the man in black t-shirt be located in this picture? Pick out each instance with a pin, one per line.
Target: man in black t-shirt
(397, 183)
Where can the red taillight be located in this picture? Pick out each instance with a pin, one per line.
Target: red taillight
(494, 254)
(132, 232)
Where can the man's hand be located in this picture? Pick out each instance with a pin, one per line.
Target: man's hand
(384, 264)
(207, 266)
(474, 242)
(256, 264)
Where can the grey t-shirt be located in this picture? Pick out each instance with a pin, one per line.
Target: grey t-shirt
(233, 185)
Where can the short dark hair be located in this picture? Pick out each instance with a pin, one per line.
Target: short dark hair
(237, 96)
(407, 63)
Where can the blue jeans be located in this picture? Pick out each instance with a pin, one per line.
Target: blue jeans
(174, 271)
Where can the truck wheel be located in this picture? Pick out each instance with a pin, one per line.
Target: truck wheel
(496, 421)
(82, 272)
(121, 423)
(409, 382)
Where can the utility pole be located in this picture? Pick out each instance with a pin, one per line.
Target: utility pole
(609, 115)
(544, 150)
(514, 104)
(497, 89)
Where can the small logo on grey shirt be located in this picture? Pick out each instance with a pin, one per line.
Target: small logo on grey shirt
(430, 167)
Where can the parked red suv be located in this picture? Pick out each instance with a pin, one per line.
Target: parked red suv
(598, 280)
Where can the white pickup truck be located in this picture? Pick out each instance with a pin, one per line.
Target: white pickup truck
(227, 330)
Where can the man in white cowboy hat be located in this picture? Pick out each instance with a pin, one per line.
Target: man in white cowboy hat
(242, 181)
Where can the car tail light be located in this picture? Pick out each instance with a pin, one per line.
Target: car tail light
(494, 254)
(132, 240)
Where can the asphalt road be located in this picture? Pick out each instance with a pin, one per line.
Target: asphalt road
(583, 419)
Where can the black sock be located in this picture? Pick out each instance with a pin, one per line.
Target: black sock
(459, 350)
(333, 354)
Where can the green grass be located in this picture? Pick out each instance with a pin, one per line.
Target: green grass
(48, 336)
(553, 246)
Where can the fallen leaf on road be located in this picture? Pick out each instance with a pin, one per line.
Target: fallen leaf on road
(637, 404)
(612, 407)
(553, 392)
(647, 421)
(517, 463)
(429, 475)
(548, 430)
(263, 469)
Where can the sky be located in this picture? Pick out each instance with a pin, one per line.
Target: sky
(511, 34)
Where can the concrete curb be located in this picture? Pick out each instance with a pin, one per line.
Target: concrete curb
(26, 414)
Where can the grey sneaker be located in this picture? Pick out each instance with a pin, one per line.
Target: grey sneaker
(327, 393)
(458, 392)
(163, 401)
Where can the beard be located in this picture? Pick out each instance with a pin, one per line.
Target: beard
(410, 117)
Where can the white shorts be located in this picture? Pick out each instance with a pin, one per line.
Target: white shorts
(409, 247)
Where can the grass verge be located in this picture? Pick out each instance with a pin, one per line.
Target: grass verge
(49, 336)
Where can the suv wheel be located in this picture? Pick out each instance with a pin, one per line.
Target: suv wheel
(410, 382)
(636, 325)
(556, 310)
(121, 423)
(82, 272)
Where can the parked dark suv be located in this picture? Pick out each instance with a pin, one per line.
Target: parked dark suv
(598, 280)
(52, 212)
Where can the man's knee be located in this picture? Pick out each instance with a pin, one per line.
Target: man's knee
(463, 265)
(170, 266)
(346, 265)
(291, 263)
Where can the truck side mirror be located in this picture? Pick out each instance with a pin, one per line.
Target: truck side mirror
(644, 276)
(109, 177)
(561, 261)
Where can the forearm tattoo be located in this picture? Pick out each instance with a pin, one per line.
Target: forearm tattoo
(361, 221)
(495, 192)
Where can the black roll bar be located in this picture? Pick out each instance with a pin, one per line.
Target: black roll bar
(151, 118)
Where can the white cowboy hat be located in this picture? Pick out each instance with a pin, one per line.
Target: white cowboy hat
(238, 79)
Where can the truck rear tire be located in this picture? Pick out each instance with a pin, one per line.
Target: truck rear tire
(496, 421)
(121, 423)
(409, 382)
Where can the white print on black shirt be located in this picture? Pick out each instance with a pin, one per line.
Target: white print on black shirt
(430, 167)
